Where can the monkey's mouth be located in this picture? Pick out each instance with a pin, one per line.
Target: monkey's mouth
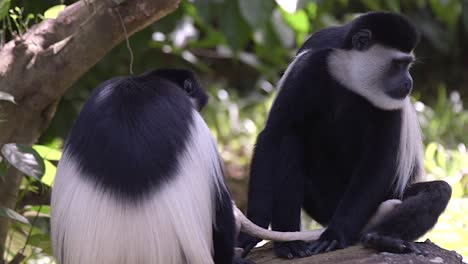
(400, 93)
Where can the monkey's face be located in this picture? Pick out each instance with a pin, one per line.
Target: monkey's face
(376, 72)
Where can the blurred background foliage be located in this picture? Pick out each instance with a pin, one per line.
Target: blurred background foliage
(239, 49)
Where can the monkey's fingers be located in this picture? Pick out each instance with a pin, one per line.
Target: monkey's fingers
(389, 244)
(323, 246)
(292, 249)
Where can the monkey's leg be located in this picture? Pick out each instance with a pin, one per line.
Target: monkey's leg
(421, 206)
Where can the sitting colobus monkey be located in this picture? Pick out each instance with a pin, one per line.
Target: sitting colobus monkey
(141, 180)
(341, 138)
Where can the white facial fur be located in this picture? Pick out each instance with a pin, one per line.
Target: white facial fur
(173, 225)
(361, 72)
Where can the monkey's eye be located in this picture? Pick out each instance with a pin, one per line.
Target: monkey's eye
(188, 86)
(402, 63)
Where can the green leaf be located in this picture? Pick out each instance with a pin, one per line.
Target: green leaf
(43, 209)
(298, 21)
(7, 97)
(8, 213)
(234, 27)
(25, 159)
(48, 153)
(41, 241)
(49, 175)
(441, 157)
(54, 11)
(256, 12)
(4, 7)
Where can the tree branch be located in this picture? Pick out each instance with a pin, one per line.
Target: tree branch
(431, 253)
(39, 67)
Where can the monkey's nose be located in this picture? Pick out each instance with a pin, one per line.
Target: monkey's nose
(407, 87)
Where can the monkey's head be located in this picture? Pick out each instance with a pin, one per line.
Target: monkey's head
(375, 58)
(186, 81)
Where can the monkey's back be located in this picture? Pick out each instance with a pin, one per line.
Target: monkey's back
(137, 180)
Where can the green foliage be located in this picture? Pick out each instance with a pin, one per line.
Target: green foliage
(29, 236)
(446, 121)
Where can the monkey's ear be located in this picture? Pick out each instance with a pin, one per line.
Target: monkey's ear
(362, 40)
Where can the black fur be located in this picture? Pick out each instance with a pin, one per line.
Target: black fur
(388, 29)
(133, 149)
(141, 125)
(330, 151)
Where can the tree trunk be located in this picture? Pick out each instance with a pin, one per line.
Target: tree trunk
(431, 254)
(38, 68)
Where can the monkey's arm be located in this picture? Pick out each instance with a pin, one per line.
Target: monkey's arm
(275, 192)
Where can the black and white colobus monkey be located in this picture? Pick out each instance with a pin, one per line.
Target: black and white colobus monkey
(341, 138)
(141, 180)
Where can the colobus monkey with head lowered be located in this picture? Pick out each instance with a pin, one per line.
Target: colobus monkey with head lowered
(341, 138)
(141, 180)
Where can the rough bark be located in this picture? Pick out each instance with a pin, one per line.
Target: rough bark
(38, 68)
(431, 253)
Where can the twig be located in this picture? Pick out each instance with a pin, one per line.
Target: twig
(127, 41)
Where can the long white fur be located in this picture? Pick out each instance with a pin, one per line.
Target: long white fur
(173, 225)
(410, 155)
(361, 72)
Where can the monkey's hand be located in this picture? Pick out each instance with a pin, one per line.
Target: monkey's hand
(389, 244)
(330, 240)
(247, 242)
(292, 249)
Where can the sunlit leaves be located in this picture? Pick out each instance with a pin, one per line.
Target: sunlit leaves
(299, 22)
(49, 175)
(54, 11)
(47, 152)
(25, 159)
(8, 213)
